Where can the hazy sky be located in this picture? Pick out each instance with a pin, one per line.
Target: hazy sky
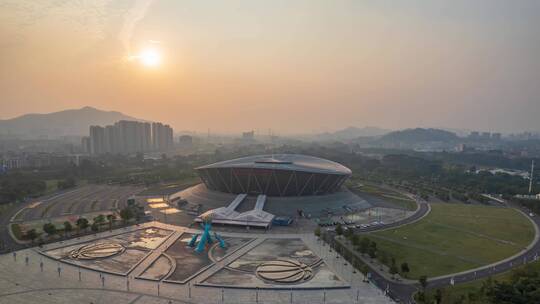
(292, 66)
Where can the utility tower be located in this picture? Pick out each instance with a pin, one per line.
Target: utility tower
(531, 178)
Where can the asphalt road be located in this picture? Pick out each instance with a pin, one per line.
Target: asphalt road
(422, 211)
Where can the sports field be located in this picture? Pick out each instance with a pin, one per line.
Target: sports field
(456, 237)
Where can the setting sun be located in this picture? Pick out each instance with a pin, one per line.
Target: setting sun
(150, 57)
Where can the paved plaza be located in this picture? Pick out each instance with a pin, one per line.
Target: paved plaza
(103, 269)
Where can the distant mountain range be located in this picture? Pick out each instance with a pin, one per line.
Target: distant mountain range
(419, 135)
(74, 122)
(352, 133)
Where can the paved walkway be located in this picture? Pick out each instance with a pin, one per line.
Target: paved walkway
(139, 269)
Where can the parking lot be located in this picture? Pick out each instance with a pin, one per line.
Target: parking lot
(82, 200)
(369, 218)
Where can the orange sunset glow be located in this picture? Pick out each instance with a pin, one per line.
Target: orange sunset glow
(225, 65)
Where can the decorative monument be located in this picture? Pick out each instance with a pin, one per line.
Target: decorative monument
(96, 251)
(206, 238)
(284, 271)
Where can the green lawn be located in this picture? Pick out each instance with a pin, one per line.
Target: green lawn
(4, 207)
(52, 185)
(400, 201)
(455, 237)
(16, 229)
(388, 195)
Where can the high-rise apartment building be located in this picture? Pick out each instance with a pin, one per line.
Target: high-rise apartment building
(86, 146)
(130, 137)
(97, 139)
(162, 137)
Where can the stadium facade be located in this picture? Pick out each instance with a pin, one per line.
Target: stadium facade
(275, 175)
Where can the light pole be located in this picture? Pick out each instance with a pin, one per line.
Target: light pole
(291, 297)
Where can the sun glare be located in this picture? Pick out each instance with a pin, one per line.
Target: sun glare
(150, 57)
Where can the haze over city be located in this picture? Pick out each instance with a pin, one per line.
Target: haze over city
(289, 66)
(279, 151)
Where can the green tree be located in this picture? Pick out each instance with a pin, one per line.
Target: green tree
(339, 229)
(383, 257)
(522, 290)
(126, 214)
(364, 269)
(317, 231)
(405, 268)
(67, 227)
(355, 240)
(110, 218)
(50, 229)
(438, 296)
(31, 235)
(81, 223)
(423, 282)
(364, 245)
(372, 250)
(393, 268)
(99, 219)
(67, 183)
(421, 297)
(348, 233)
(94, 227)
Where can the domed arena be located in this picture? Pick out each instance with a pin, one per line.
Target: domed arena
(275, 175)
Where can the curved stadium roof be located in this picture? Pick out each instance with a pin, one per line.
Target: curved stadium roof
(290, 162)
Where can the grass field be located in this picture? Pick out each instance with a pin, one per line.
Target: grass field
(455, 237)
(52, 185)
(452, 294)
(388, 195)
(5, 207)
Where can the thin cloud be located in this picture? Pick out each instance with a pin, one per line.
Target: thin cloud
(131, 19)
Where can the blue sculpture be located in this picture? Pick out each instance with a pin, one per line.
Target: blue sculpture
(193, 240)
(206, 237)
(220, 240)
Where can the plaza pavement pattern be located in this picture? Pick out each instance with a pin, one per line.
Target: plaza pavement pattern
(28, 276)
